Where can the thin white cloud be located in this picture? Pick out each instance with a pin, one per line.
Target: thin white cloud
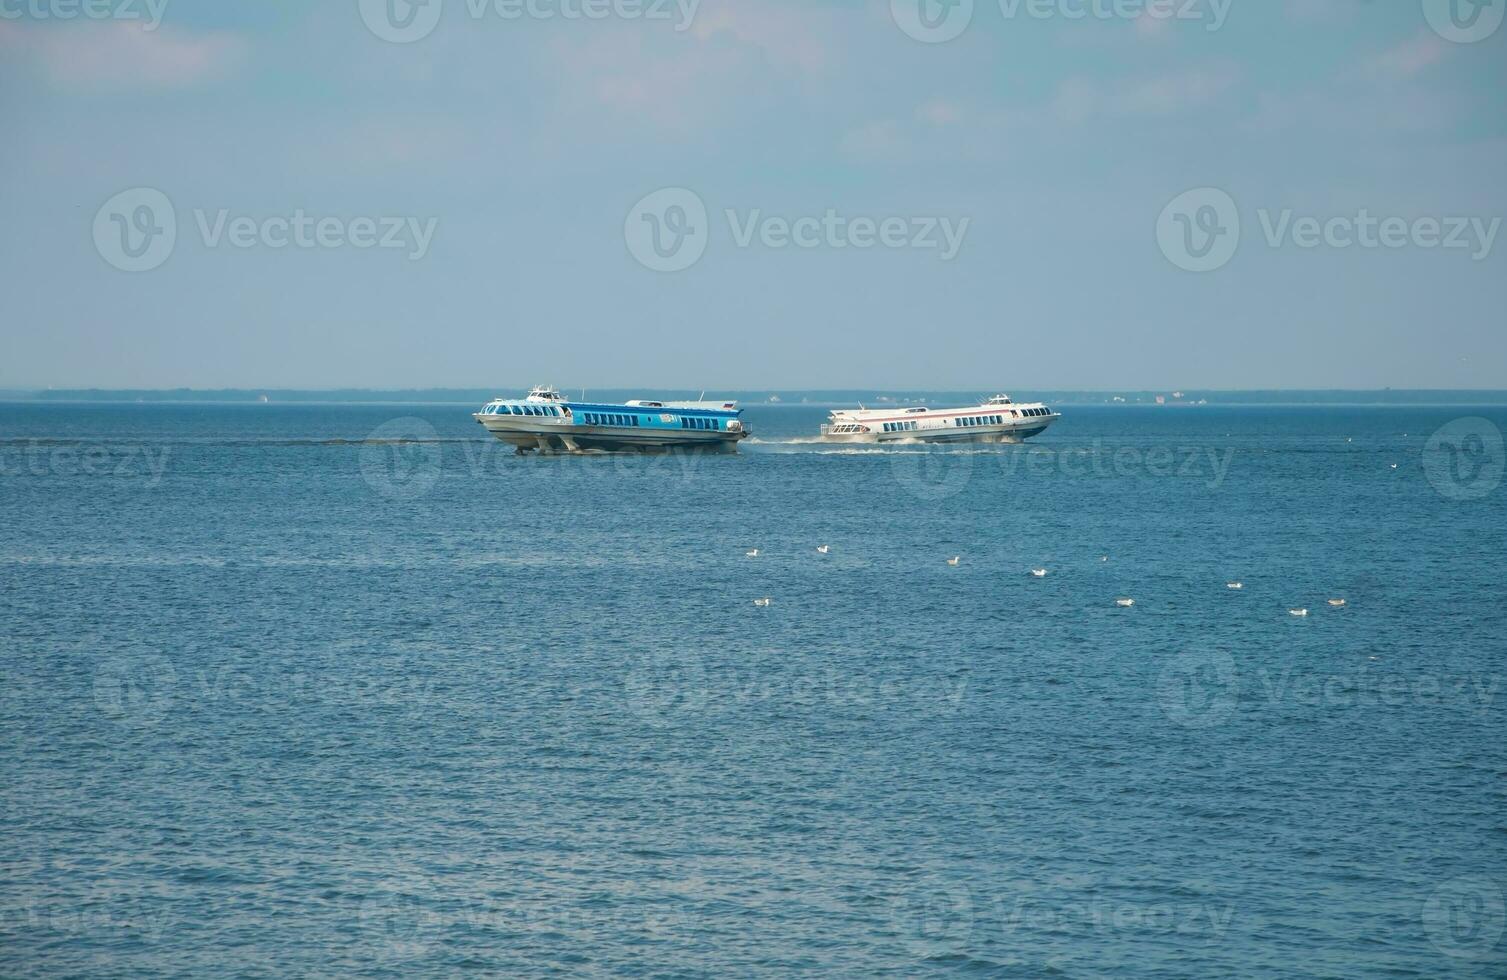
(119, 54)
(678, 79)
(1152, 27)
(1367, 114)
(883, 137)
(787, 36)
(1319, 11)
(1080, 98)
(940, 112)
(1410, 58)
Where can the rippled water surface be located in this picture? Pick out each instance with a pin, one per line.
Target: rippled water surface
(279, 701)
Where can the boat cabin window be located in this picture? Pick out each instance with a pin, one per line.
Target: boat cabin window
(602, 418)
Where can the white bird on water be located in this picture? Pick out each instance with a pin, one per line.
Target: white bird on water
(822, 549)
(1297, 612)
(1124, 603)
(752, 554)
(763, 602)
(1104, 558)
(1039, 572)
(1237, 586)
(1336, 603)
(954, 561)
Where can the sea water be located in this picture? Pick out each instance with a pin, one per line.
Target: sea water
(353, 689)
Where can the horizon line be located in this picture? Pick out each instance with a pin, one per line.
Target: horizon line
(333, 389)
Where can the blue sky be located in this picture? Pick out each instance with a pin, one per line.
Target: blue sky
(1049, 143)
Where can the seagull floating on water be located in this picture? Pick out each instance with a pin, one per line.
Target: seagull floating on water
(1297, 612)
(1124, 603)
(1237, 586)
(954, 561)
(1394, 466)
(1336, 603)
(762, 602)
(1039, 572)
(752, 554)
(1104, 558)
(822, 549)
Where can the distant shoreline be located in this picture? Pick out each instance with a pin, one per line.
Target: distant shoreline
(1190, 398)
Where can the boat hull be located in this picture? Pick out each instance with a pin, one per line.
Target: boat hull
(549, 436)
(1006, 434)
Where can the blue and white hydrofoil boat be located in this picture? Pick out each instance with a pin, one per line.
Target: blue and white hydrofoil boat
(547, 423)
